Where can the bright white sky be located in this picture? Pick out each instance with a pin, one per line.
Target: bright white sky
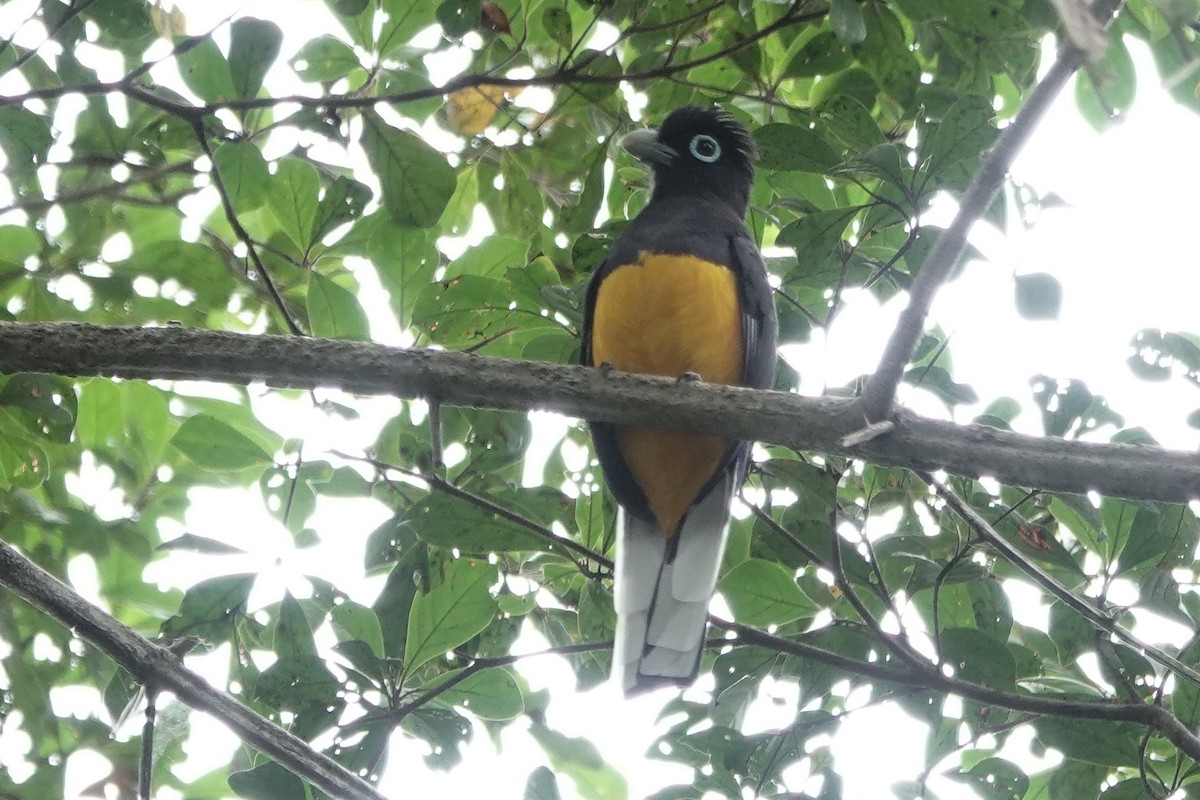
(1115, 248)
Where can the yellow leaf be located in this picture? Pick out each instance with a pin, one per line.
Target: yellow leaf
(469, 111)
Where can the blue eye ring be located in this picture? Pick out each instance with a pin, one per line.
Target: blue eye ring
(704, 148)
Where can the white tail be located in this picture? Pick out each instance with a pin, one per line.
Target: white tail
(662, 606)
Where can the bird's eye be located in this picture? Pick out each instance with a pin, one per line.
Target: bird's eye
(705, 148)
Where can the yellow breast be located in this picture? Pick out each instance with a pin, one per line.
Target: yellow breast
(668, 315)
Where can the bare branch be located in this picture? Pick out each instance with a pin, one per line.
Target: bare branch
(818, 424)
(333, 102)
(159, 668)
(1137, 472)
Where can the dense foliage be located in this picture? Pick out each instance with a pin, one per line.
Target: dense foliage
(257, 177)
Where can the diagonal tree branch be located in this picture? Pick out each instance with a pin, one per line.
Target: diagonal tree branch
(334, 102)
(880, 390)
(1081, 605)
(158, 668)
(1148, 715)
(817, 424)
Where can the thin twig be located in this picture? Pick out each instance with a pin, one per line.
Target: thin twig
(442, 485)
(242, 234)
(159, 667)
(72, 12)
(335, 102)
(1100, 619)
(1143, 714)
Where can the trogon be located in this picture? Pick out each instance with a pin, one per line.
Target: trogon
(682, 293)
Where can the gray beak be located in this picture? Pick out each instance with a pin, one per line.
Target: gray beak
(645, 146)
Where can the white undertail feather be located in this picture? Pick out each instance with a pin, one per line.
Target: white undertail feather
(662, 608)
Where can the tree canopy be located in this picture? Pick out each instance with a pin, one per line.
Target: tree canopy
(210, 236)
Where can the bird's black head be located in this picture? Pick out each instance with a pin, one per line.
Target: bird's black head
(698, 151)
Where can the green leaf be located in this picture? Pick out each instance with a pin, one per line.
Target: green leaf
(293, 636)
(212, 444)
(452, 612)
(1109, 744)
(267, 781)
(325, 59)
(940, 382)
(17, 243)
(1104, 94)
(1160, 354)
(599, 65)
(1070, 632)
(961, 135)
(556, 22)
(817, 237)
(445, 730)
(494, 256)
(493, 316)
(208, 608)
(1038, 296)
(405, 259)
(491, 694)
(199, 544)
(1185, 703)
(334, 312)
(244, 174)
(354, 622)
(22, 463)
(847, 20)
(542, 785)
(977, 657)
(578, 759)
(824, 54)
(790, 147)
(445, 521)
(206, 72)
(403, 19)
(302, 684)
(417, 182)
(1167, 538)
(882, 161)
(985, 18)
(851, 122)
(101, 420)
(1082, 521)
(761, 593)
(582, 215)
(253, 48)
(25, 137)
(292, 196)
(995, 779)
(343, 201)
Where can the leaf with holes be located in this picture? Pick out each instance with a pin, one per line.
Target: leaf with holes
(212, 444)
(452, 612)
(334, 312)
(417, 182)
(762, 592)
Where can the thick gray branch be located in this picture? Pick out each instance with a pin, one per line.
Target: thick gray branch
(158, 668)
(814, 424)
